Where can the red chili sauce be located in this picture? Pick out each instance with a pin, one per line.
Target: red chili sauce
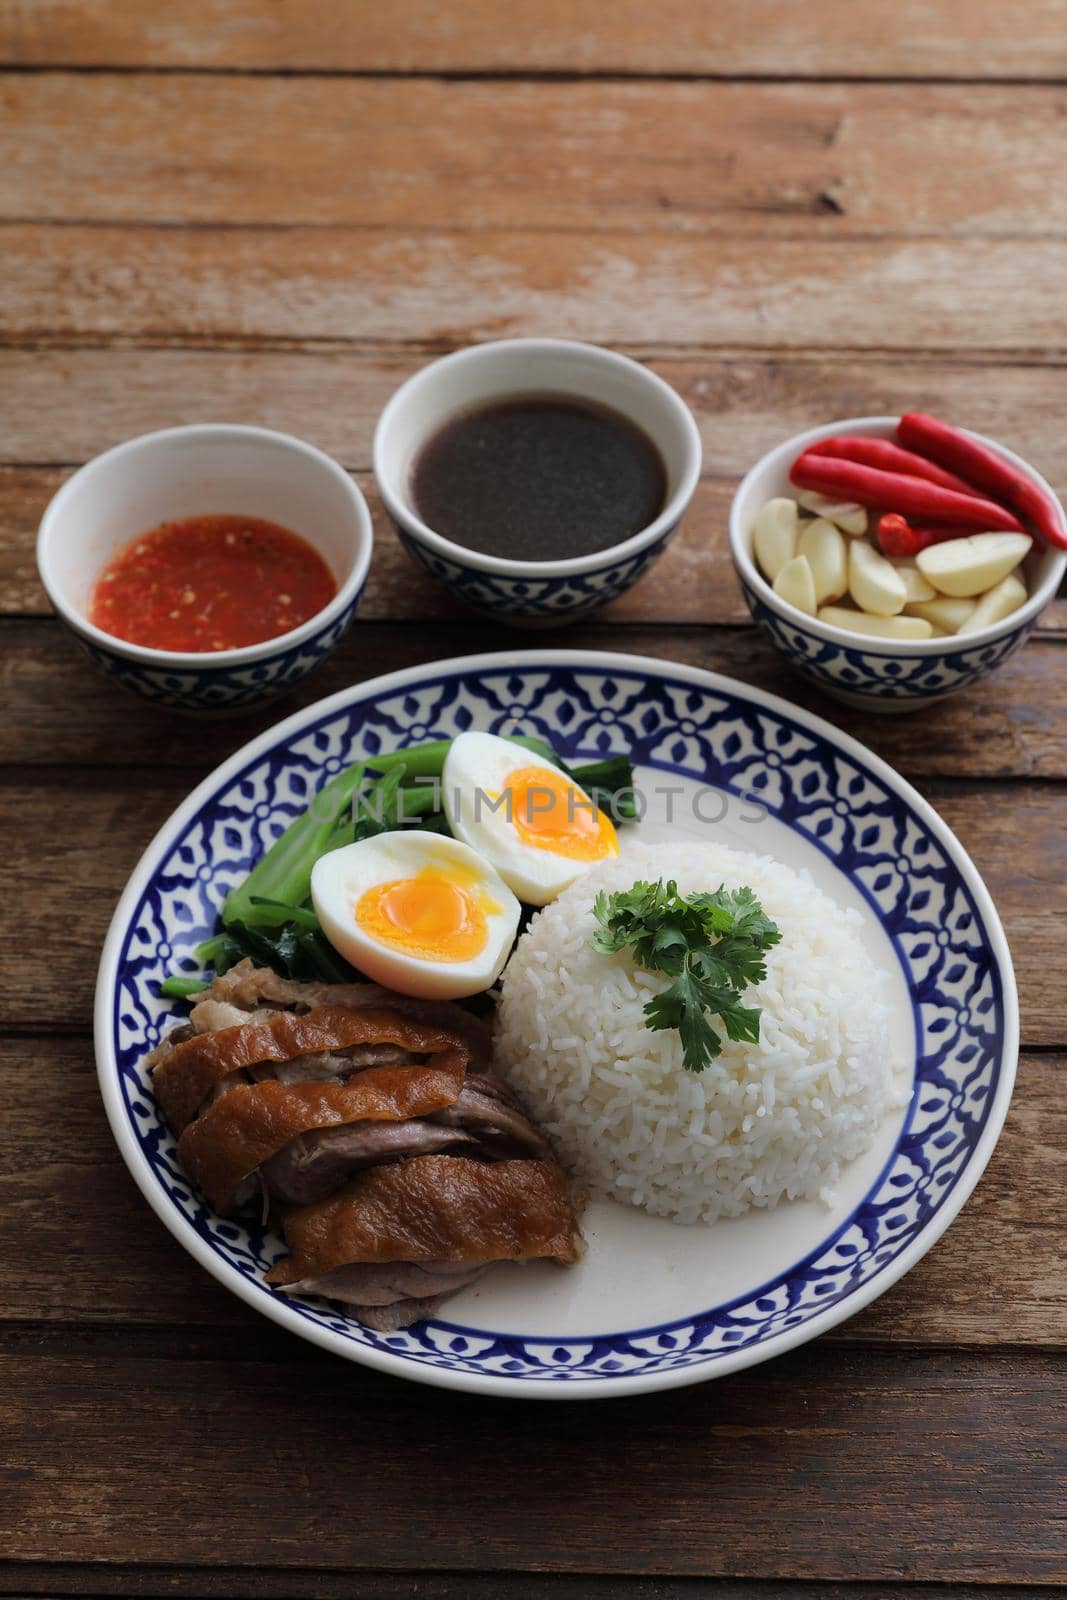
(210, 583)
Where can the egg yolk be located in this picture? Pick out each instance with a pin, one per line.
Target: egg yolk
(436, 915)
(551, 813)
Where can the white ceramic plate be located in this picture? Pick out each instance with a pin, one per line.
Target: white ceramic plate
(652, 1305)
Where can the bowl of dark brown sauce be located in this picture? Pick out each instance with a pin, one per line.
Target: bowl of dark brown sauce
(536, 478)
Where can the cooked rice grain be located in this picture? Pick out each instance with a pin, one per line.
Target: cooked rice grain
(764, 1122)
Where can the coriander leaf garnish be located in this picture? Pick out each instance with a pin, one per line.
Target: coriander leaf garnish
(711, 945)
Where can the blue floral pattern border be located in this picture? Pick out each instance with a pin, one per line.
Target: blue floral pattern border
(717, 736)
(882, 675)
(545, 599)
(209, 688)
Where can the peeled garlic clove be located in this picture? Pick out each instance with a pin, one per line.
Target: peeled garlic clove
(844, 515)
(823, 547)
(774, 537)
(942, 612)
(915, 585)
(996, 604)
(873, 582)
(973, 564)
(880, 627)
(796, 584)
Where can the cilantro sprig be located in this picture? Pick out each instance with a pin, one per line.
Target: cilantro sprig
(712, 945)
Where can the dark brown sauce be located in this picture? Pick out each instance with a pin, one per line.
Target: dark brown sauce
(539, 477)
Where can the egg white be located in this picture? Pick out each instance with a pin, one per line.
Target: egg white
(477, 768)
(342, 877)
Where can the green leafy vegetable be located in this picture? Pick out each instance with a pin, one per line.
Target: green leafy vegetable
(610, 784)
(712, 945)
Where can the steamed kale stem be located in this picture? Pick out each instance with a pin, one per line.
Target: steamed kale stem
(182, 988)
(285, 871)
(303, 916)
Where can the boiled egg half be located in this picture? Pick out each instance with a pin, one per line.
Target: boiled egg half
(536, 826)
(419, 913)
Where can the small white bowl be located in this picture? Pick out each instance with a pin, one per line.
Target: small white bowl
(877, 674)
(194, 471)
(534, 592)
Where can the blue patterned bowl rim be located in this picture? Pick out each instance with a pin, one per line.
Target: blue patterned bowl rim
(375, 1351)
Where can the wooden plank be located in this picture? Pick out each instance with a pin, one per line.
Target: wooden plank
(996, 1279)
(712, 158)
(78, 836)
(58, 712)
(364, 286)
(884, 38)
(60, 406)
(260, 1583)
(843, 1430)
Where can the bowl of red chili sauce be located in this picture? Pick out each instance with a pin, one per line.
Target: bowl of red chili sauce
(210, 566)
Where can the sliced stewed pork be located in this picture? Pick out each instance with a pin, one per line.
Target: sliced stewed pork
(428, 1211)
(248, 987)
(318, 1163)
(185, 1077)
(485, 1120)
(254, 1121)
(412, 1168)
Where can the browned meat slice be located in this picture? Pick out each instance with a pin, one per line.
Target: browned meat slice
(253, 1121)
(392, 1295)
(166, 1045)
(183, 1079)
(249, 986)
(402, 1313)
(318, 1163)
(434, 1209)
(332, 1063)
(485, 1120)
(489, 1111)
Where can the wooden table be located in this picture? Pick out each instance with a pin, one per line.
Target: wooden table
(228, 209)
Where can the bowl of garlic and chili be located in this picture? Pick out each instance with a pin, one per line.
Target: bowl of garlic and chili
(890, 626)
(207, 567)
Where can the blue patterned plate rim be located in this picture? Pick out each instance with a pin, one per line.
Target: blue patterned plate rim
(415, 1365)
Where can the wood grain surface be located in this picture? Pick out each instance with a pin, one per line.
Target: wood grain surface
(827, 38)
(751, 159)
(274, 213)
(442, 287)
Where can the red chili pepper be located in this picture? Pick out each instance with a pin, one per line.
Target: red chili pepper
(888, 457)
(912, 497)
(986, 470)
(897, 537)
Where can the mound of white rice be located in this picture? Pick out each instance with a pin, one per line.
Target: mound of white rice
(763, 1122)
